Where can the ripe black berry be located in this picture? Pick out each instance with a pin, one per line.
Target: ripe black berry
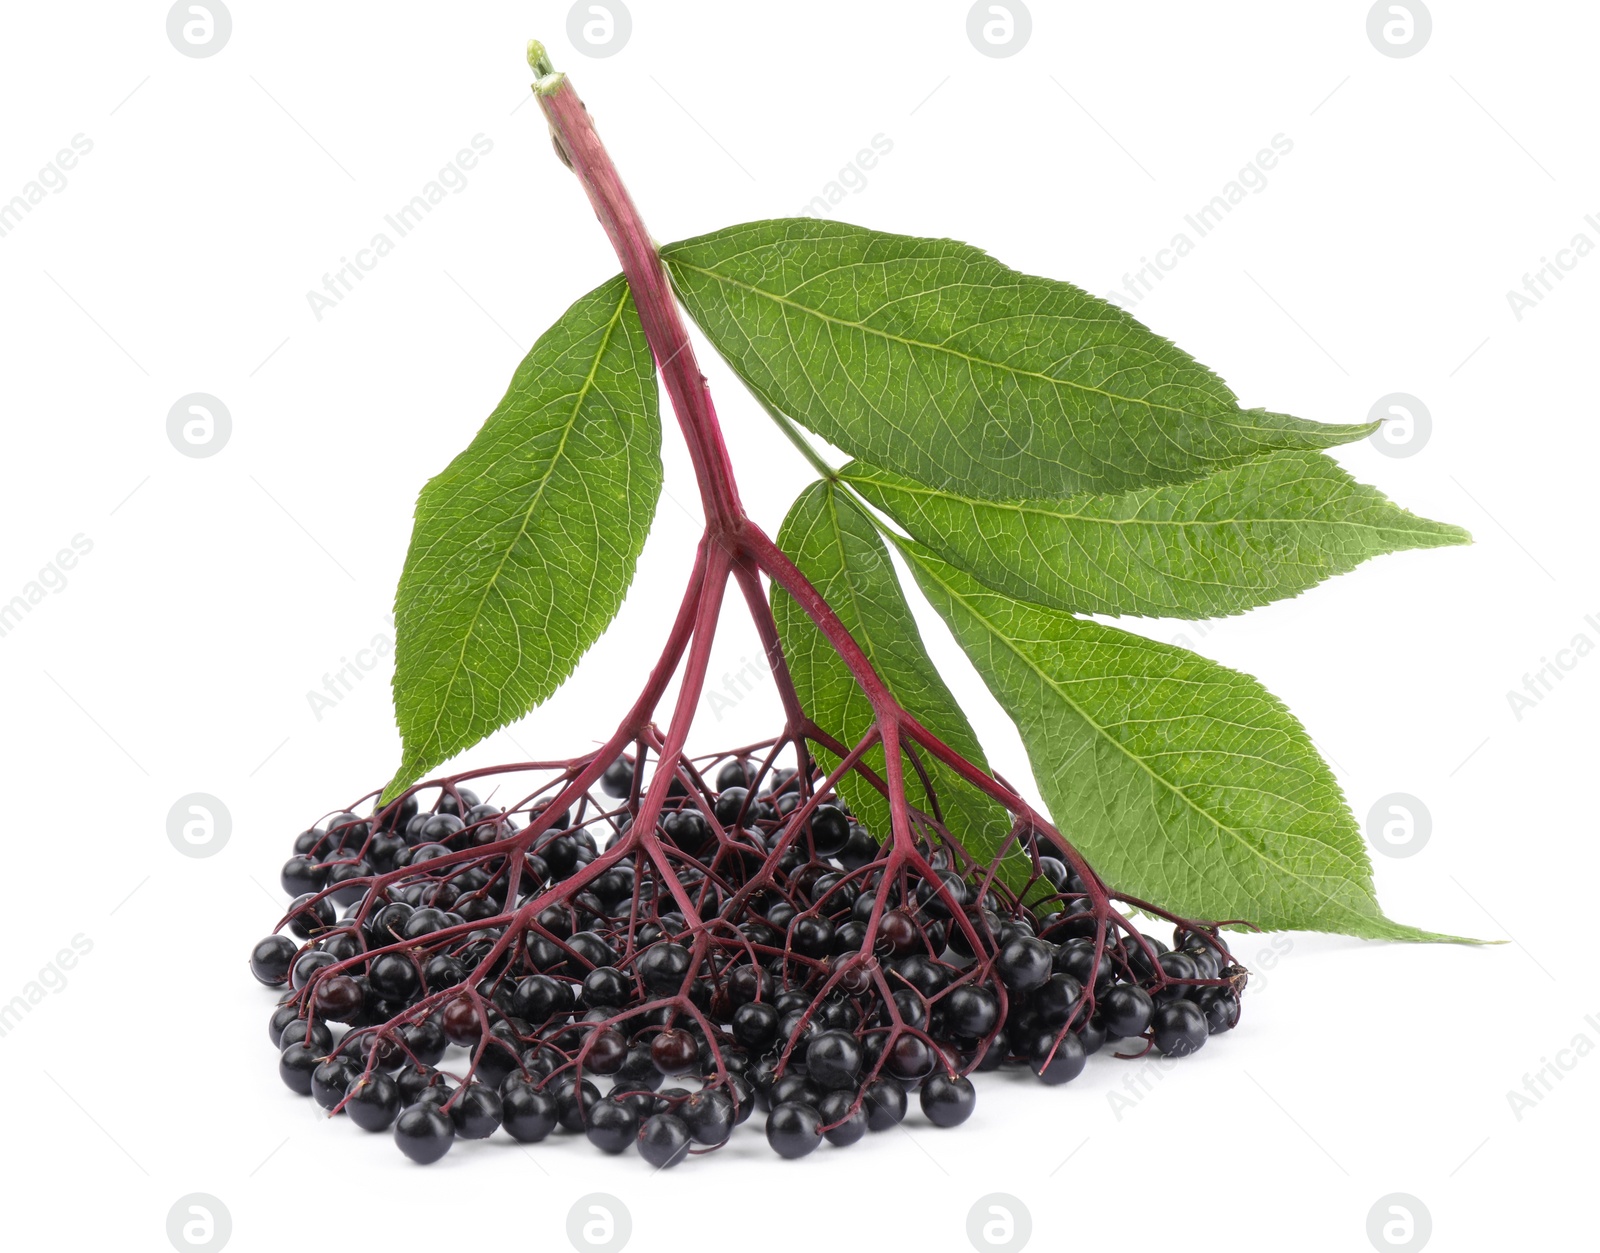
(301, 875)
(663, 1140)
(1177, 966)
(372, 1102)
(592, 952)
(573, 1104)
(308, 918)
(709, 1116)
(859, 850)
(271, 958)
(1057, 999)
(663, 966)
(729, 804)
(393, 976)
(736, 773)
(948, 1100)
(811, 936)
(885, 1104)
(830, 830)
(282, 1016)
(425, 1041)
(852, 1124)
(313, 1034)
(971, 1012)
(1076, 958)
(422, 1084)
(1052, 1062)
(423, 1133)
(793, 1130)
(476, 1112)
(618, 778)
(1024, 963)
(638, 1070)
(1180, 1027)
(1125, 1010)
(1205, 958)
(330, 1080)
(755, 1025)
(538, 997)
(529, 1115)
(343, 873)
(910, 1058)
(612, 1126)
(607, 987)
(295, 1065)
(833, 1060)
(1221, 1009)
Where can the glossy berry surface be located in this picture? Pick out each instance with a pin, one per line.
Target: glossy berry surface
(1125, 1010)
(612, 1126)
(833, 1060)
(948, 1100)
(373, 1103)
(709, 1115)
(845, 1125)
(1024, 963)
(1179, 1028)
(423, 1133)
(271, 958)
(528, 1114)
(1056, 1062)
(476, 1112)
(295, 1066)
(885, 1104)
(793, 1130)
(664, 1140)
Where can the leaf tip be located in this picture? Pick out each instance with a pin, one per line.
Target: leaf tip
(1416, 935)
(408, 773)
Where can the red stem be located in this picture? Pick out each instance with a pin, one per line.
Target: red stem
(652, 296)
(727, 524)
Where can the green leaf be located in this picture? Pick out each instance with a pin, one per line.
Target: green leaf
(525, 545)
(837, 548)
(1240, 537)
(930, 358)
(1182, 781)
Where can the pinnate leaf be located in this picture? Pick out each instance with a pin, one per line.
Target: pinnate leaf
(1240, 537)
(525, 544)
(1182, 781)
(930, 358)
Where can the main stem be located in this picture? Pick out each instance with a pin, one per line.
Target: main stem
(580, 146)
(727, 524)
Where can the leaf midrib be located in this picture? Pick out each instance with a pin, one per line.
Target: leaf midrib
(1034, 509)
(969, 358)
(527, 514)
(1236, 835)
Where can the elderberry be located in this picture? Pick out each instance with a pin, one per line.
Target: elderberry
(423, 1133)
(573, 1002)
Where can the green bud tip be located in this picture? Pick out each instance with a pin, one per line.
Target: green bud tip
(539, 59)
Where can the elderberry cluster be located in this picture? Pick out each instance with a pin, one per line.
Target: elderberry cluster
(757, 949)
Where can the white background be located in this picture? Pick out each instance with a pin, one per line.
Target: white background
(219, 591)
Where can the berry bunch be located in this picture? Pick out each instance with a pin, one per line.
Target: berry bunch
(651, 970)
